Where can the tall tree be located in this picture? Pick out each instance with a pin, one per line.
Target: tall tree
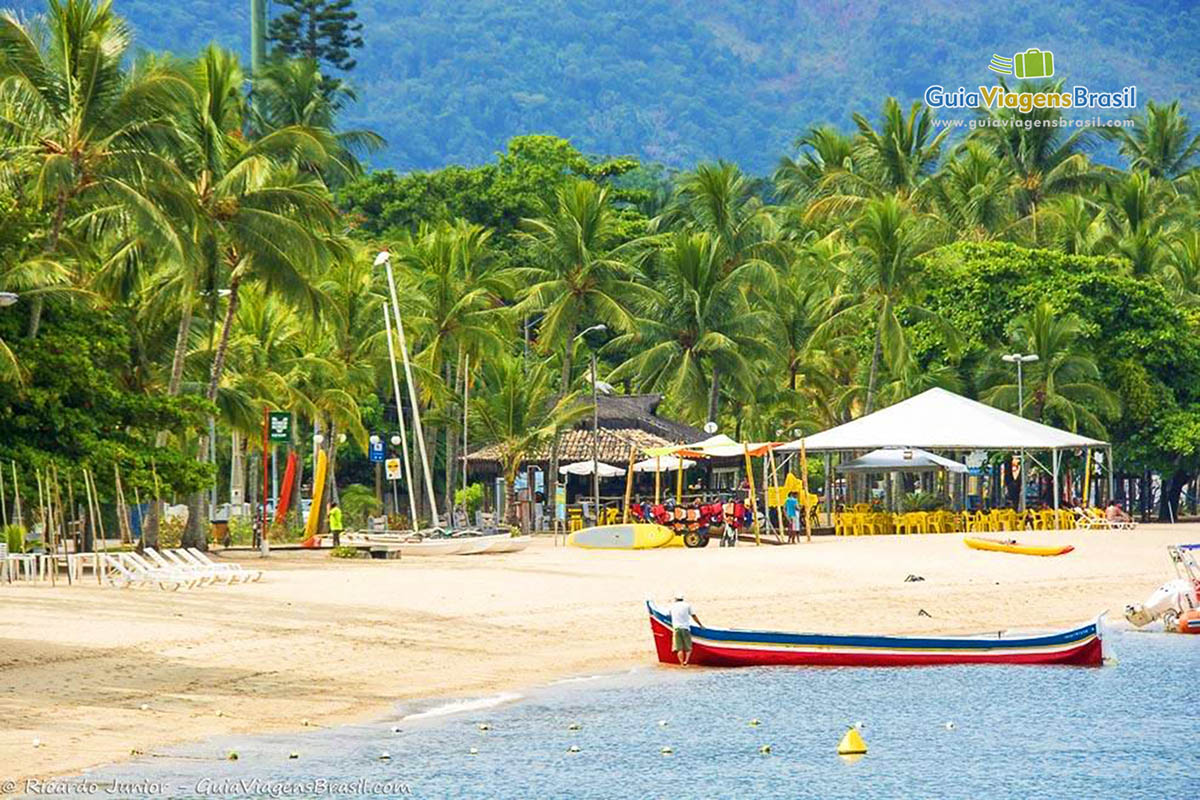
(89, 130)
(576, 279)
(699, 328)
(1063, 387)
(1161, 142)
(324, 31)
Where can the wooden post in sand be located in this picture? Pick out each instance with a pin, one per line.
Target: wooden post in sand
(657, 480)
(679, 481)
(753, 496)
(804, 488)
(629, 484)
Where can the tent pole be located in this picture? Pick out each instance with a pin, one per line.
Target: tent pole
(679, 481)
(1087, 480)
(753, 495)
(1111, 467)
(657, 480)
(828, 489)
(628, 484)
(1054, 459)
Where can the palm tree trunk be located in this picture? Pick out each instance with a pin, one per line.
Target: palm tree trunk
(195, 533)
(150, 529)
(564, 388)
(714, 394)
(451, 473)
(876, 356)
(218, 364)
(35, 311)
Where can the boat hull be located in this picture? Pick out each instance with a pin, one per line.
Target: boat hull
(1020, 549)
(736, 648)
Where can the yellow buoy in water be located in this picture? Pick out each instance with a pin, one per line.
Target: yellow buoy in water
(852, 744)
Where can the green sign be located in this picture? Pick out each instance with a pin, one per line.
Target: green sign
(279, 426)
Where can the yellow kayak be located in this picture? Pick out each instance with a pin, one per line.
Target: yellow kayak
(622, 537)
(1011, 546)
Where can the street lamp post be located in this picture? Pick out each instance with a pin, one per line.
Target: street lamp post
(1020, 359)
(595, 426)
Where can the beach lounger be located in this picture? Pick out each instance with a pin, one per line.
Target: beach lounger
(203, 558)
(218, 572)
(168, 561)
(119, 572)
(138, 565)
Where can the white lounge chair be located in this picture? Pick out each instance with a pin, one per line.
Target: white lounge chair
(220, 572)
(200, 556)
(136, 563)
(165, 561)
(118, 572)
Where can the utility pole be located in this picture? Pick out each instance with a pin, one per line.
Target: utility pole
(258, 43)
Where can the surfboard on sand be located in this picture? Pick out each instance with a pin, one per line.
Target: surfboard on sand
(622, 537)
(318, 497)
(285, 491)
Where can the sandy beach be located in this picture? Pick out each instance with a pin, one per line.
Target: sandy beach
(336, 641)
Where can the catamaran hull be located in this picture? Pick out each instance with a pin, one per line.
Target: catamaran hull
(1080, 647)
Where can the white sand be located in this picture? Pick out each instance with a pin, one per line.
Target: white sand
(333, 641)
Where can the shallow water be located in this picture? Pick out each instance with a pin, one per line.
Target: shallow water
(1128, 731)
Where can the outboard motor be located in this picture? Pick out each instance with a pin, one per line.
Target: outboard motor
(1168, 602)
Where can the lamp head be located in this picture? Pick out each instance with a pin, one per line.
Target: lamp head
(7, 299)
(383, 257)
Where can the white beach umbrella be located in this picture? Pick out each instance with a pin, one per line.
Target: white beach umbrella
(585, 468)
(662, 464)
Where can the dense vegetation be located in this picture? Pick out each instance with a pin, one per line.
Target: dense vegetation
(182, 262)
(675, 82)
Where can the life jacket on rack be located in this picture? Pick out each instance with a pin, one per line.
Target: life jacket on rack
(693, 518)
(679, 522)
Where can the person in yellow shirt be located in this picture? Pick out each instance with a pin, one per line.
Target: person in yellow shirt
(336, 526)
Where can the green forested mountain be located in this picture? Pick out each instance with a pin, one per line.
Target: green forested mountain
(677, 82)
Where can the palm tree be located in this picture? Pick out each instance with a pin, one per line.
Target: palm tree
(903, 153)
(884, 279)
(577, 276)
(972, 194)
(1182, 272)
(826, 154)
(1141, 216)
(1160, 143)
(1063, 386)
(518, 412)
(700, 326)
(453, 271)
(91, 133)
(1076, 225)
(721, 201)
(259, 217)
(1043, 161)
(294, 93)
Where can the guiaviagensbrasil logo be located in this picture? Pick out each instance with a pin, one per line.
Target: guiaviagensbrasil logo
(1033, 63)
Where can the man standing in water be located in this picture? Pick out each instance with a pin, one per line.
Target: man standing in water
(681, 628)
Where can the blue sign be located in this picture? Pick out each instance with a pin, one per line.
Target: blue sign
(375, 451)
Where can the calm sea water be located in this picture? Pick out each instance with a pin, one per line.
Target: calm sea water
(1129, 731)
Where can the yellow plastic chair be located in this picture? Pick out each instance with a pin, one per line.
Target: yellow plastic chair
(574, 519)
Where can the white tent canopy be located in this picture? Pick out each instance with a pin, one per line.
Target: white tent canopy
(585, 468)
(896, 459)
(718, 446)
(938, 419)
(662, 464)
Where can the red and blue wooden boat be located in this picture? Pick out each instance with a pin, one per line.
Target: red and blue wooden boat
(713, 647)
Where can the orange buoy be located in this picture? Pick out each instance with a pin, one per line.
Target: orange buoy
(1189, 622)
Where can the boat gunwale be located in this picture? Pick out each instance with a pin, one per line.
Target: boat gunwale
(977, 642)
